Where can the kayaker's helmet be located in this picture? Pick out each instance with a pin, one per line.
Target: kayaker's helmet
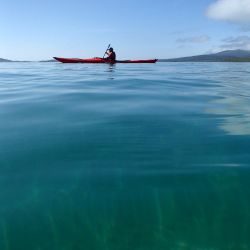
(111, 49)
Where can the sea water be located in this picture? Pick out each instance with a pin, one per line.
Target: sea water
(124, 157)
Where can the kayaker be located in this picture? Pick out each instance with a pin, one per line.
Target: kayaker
(111, 55)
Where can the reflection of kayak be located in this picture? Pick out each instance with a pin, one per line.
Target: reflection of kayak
(100, 60)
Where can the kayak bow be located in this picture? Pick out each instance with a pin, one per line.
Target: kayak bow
(100, 60)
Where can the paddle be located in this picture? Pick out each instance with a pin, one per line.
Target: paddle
(106, 51)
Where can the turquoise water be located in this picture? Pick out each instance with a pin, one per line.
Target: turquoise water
(142, 157)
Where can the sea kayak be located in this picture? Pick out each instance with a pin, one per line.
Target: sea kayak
(100, 60)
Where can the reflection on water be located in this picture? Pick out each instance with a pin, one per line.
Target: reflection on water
(111, 71)
(158, 158)
(232, 104)
(235, 112)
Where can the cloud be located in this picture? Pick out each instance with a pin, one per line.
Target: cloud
(232, 43)
(194, 39)
(235, 11)
(239, 42)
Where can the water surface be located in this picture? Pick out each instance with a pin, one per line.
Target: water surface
(143, 157)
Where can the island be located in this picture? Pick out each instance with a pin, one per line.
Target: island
(223, 56)
(4, 60)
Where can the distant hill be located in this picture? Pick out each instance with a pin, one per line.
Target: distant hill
(4, 60)
(52, 60)
(224, 56)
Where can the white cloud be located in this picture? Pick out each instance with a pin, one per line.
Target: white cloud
(232, 43)
(239, 42)
(237, 11)
(194, 39)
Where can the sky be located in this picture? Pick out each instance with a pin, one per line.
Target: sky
(41, 29)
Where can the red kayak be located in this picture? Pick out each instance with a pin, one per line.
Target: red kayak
(100, 60)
